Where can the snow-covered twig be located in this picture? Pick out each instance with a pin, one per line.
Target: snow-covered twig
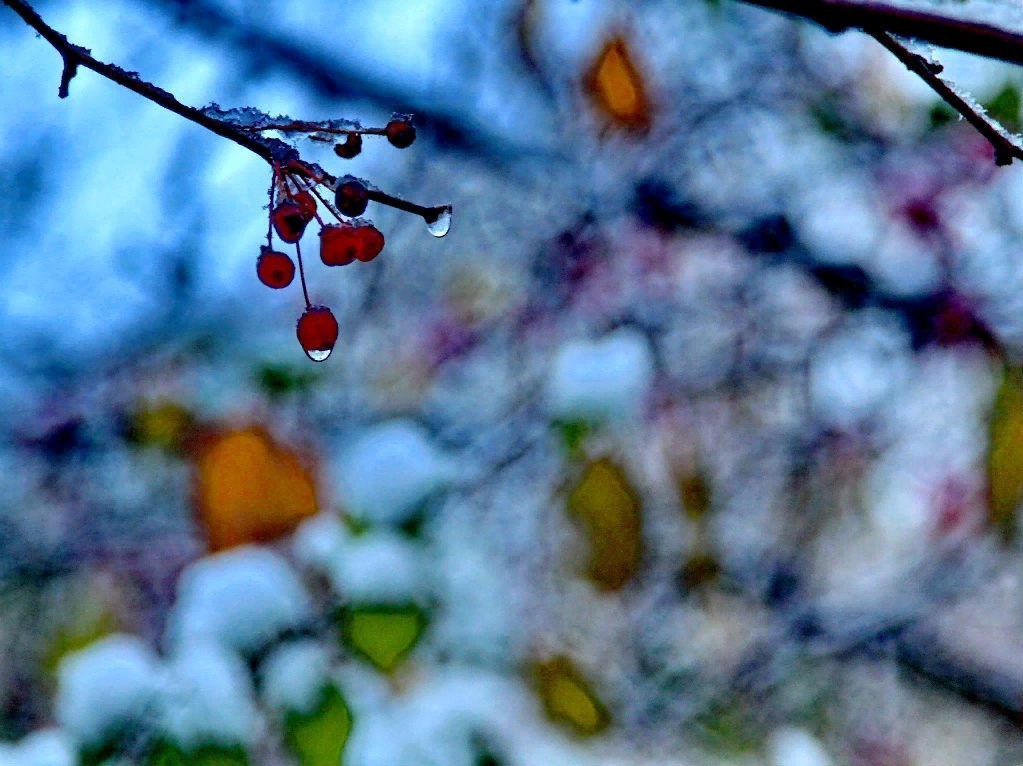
(1006, 145)
(883, 21)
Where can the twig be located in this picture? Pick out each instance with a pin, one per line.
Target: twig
(969, 36)
(883, 22)
(928, 71)
(269, 149)
(75, 56)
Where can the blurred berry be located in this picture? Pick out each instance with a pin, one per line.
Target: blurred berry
(401, 133)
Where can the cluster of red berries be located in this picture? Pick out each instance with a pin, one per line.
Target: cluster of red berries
(293, 195)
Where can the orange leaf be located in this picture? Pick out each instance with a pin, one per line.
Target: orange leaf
(617, 87)
(251, 490)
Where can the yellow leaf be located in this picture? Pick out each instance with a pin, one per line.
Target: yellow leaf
(1005, 453)
(567, 698)
(609, 511)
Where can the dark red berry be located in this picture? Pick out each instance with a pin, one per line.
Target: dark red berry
(317, 332)
(307, 202)
(350, 148)
(371, 242)
(401, 133)
(351, 198)
(274, 269)
(339, 245)
(290, 220)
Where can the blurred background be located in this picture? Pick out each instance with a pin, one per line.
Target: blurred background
(697, 440)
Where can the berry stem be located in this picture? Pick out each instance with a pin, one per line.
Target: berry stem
(326, 203)
(301, 275)
(270, 209)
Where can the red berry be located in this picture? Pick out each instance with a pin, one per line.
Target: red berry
(350, 148)
(401, 133)
(351, 198)
(340, 244)
(371, 242)
(290, 220)
(317, 332)
(274, 269)
(306, 201)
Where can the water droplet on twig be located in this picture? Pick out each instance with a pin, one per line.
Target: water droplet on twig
(438, 220)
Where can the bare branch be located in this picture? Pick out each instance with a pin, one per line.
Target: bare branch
(960, 34)
(269, 149)
(1005, 148)
(75, 56)
(883, 22)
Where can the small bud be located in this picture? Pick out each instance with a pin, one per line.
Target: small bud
(350, 148)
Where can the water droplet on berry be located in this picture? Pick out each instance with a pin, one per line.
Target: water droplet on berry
(318, 355)
(438, 221)
(317, 332)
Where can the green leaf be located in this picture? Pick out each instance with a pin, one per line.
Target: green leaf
(278, 379)
(382, 633)
(317, 738)
(573, 432)
(166, 753)
(1004, 107)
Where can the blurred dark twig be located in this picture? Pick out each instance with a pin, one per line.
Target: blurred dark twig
(976, 37)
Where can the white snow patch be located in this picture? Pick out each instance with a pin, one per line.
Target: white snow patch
(379, 565)
(318, 540)
(604, 379)
(857, 368)
(390, 469)
(240, 598)
(436, 720)
(790, 746)
(839, 221)
(44, 747)
(208, 698)
(105, 686)
(294, 675)
(903, 264)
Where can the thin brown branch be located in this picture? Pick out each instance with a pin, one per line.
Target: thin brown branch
(1005, 150)
(883, 22)
(75, 56)
(960, 34)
